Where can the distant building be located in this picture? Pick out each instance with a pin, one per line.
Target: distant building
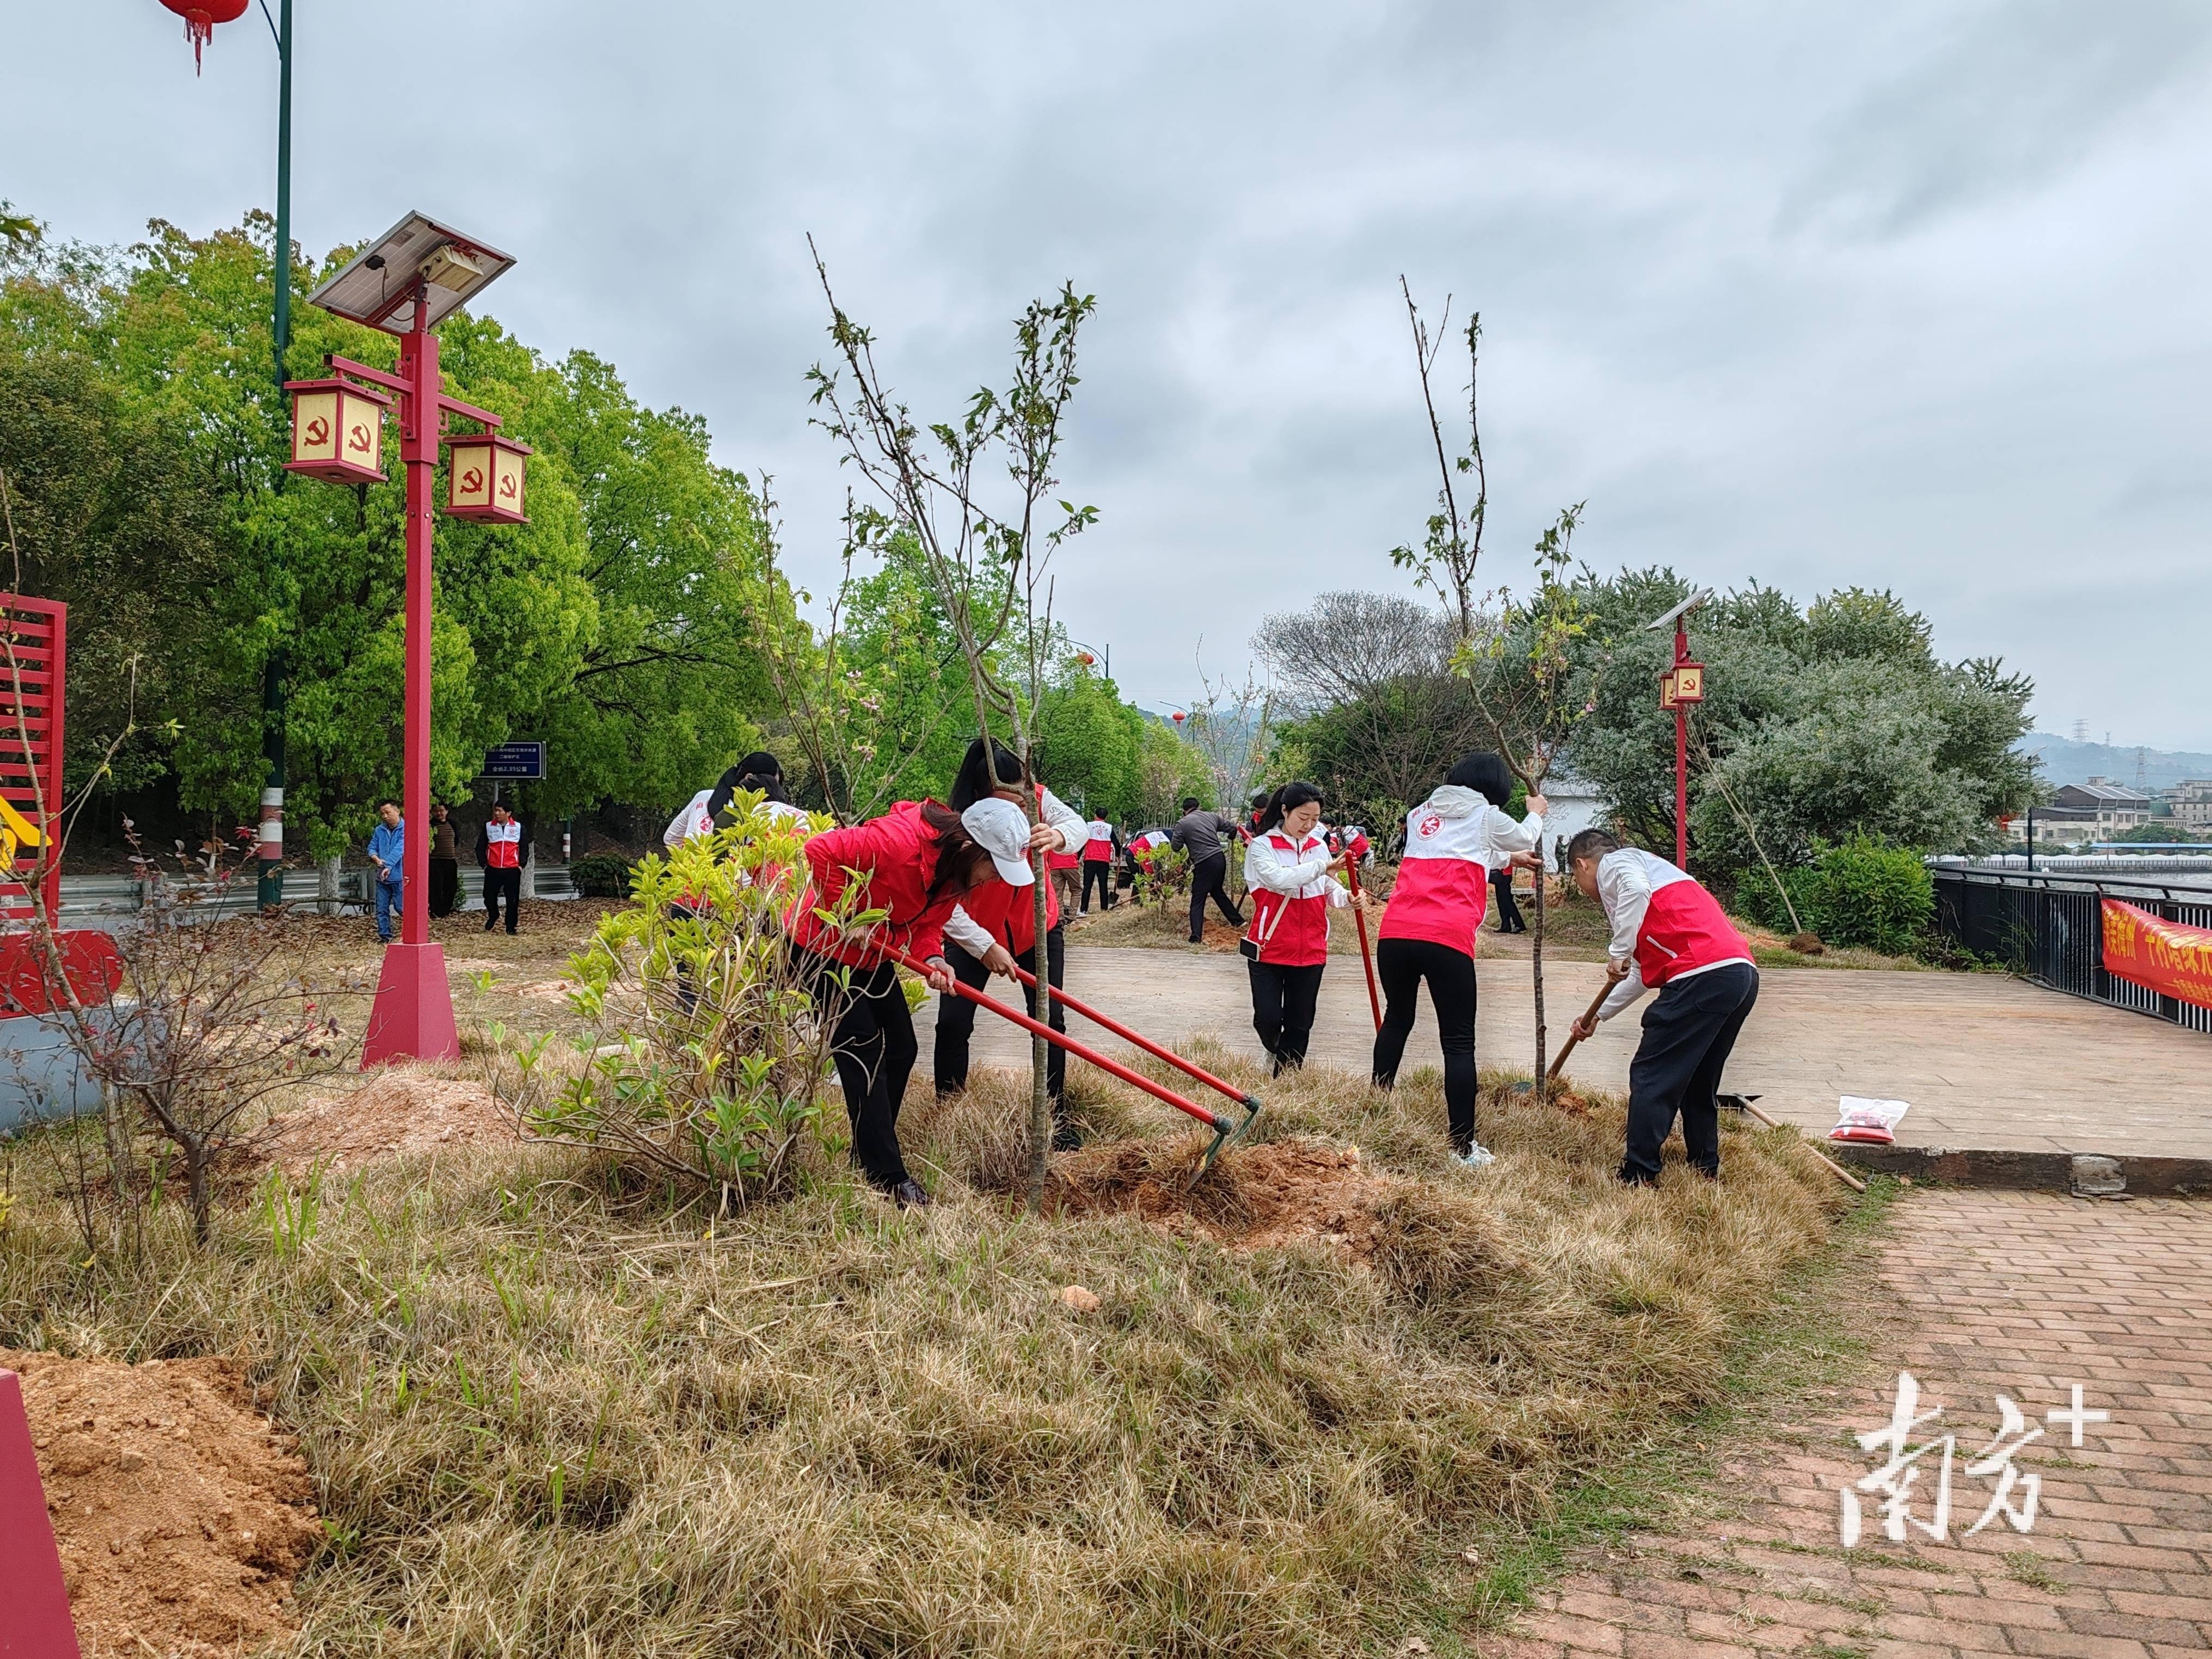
(2112, 807)
(2065, 825)
(2190, 801)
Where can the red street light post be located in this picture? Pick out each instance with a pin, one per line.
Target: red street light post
(405, 284)
(1682, 685)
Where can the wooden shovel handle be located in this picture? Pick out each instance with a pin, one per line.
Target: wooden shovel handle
(1841, 1173)
(1552, 1075)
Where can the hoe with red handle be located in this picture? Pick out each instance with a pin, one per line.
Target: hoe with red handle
(1225, 1129)
(1366, 955)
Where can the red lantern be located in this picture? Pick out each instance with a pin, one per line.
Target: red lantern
(1086, 659)
(484, 480)
(338, 431)
(200, 18)
(1178, 717)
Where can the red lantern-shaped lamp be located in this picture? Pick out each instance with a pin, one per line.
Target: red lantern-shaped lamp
(201, 16)
(486, 478)
(338, 431)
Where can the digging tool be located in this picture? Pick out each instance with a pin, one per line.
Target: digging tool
(1366, 955)
(1224, 1131)
(1249, 1103)
(1567, 1047)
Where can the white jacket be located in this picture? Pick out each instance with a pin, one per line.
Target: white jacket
(1303, 874)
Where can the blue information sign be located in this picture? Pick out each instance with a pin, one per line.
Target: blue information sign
(516, 763)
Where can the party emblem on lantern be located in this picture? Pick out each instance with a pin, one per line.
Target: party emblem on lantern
(486, 480)
(338, 431)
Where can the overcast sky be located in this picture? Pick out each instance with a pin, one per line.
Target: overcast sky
(1903, 294)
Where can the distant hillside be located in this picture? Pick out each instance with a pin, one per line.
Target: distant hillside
(2065, 761)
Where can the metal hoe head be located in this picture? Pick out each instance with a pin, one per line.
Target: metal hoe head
(1226, 1134)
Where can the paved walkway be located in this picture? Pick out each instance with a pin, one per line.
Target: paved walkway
(2019, 1293)
(1987, 1062)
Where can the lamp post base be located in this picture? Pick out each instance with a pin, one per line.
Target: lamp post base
(413, 1018)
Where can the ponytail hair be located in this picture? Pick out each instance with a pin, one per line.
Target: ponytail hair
(759, 771)
(1288, 799)
(958, 853)
(975, 781)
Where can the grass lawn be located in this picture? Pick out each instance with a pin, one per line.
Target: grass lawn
(549, 1409)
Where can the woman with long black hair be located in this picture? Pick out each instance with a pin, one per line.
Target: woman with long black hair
(916, 863)
(1453, 841)
(993, 929)
(1285, 944)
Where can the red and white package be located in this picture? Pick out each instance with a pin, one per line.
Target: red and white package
(1859, 1119)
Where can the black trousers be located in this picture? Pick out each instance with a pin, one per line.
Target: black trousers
(1509, 909)
(445, 885)
(498, 883)
(956, 1015)
(1688, 1033)
(1402, 964)
(1283, 1002)
(1099, 874)
(873, 1044)
(1207, 880)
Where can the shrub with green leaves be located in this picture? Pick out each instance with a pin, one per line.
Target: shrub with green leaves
(1858, 893)
(706, 1057)
(601, 875)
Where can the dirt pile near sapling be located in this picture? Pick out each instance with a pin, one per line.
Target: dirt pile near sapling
(182, 1515)
(397, 1112)
(1253, 1197)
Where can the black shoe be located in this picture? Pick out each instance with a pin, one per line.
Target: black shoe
(908, 1195)
(1065, 1137)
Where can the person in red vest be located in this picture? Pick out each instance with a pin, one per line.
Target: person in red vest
(1430, 926)
(502, 848)
(1097, 864)
(1285, 944)
(993, 929)
(1668, 933)
(915, 864)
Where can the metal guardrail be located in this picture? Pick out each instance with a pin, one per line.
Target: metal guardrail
(91, 899)
(2051, 929)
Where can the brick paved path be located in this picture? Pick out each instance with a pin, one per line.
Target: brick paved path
(2024, 1293)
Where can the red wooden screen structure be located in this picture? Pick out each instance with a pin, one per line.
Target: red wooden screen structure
(34, 669)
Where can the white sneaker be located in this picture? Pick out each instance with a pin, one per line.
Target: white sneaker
(1476, 1157)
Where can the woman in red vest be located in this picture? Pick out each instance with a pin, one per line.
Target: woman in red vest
(916, 863)
(993, 929)
(1671, 933)
(1285, 944)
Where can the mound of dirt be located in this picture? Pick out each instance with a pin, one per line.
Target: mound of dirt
(395, 1113)
(1254, 1196)
(182, 1514)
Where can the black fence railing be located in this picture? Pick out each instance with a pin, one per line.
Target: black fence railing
(2051, 929)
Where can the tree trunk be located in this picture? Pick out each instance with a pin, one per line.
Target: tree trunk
(1536, 967)
(326, 885)
(1040, 1048)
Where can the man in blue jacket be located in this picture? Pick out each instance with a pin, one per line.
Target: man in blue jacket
(387, 851)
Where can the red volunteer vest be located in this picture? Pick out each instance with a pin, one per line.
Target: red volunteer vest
(1685, 928)
(502, 845)
(1290, 933)
(1099, 849)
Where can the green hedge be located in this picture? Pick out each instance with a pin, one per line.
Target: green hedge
(1860, 893)
(602, 875)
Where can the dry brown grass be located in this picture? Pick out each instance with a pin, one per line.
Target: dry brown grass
(547, 1415)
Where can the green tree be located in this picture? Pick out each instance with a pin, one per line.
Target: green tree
(1090, 743)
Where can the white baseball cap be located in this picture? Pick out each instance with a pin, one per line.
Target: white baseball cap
(1002, 829)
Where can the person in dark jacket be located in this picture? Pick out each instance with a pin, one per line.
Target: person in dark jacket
(1203, 835)
(1510, 918)
(502, 848)
(444, 863)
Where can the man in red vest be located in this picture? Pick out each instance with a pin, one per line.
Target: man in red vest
(1670, 934)
(502, 848)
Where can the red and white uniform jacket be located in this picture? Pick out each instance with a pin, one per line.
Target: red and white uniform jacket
(996, 914)
(690, 823)
(1351, 838)
(1453, 841)
(1144, 845)
(1664, 923)
(1098, 841)
(503, 845)
(1291, 891)
(893, 859)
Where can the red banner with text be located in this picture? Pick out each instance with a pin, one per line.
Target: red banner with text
(2167, 956)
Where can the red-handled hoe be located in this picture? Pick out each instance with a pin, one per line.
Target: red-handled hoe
(1225, 1130)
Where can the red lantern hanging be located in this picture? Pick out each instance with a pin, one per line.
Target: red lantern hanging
(338, 431)
(200, 18)
(1178, 717)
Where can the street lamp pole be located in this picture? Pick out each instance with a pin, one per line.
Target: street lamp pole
(270, 889)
